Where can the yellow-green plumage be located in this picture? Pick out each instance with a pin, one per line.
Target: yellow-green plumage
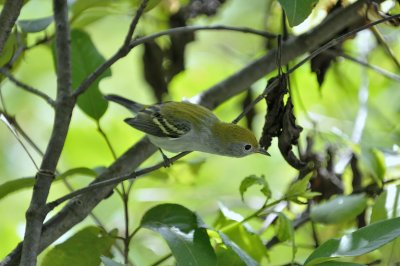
(183, 126)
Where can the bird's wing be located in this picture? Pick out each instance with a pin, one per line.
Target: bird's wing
(151, 121)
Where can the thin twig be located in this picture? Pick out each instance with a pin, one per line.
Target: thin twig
(377, 69)
(162, 259)
(134, 22)
(381, 40)
(190, 29)
(27, 87)
(121, 52)
(174, 31)
(106, 139)
(112, 181)
(15, 133)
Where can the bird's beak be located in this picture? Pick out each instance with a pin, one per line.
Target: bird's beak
(262, 151)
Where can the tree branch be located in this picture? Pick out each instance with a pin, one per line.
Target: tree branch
(37, 210)
(78, 208)
(8, 16)
(377, 69)
(134, 23)
(122, 52)
(174, 31)
(27, 87)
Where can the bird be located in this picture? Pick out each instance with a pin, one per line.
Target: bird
(184, 126)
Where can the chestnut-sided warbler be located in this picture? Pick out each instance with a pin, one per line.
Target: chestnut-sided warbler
(184, 126)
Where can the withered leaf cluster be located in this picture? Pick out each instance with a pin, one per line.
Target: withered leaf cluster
(280, 122)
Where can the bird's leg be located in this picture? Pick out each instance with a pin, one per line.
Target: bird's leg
(167, 161)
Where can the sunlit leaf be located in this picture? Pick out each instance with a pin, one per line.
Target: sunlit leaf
(249, 261)
(339, 209)
(298, 190)
(254, 180)
(184, 233)
(297, 10)
(242, 234)
(34, 25)
(359, 242)
(82, 249)
(387, 205)
(85, 59)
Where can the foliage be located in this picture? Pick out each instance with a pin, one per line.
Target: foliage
(332, 180)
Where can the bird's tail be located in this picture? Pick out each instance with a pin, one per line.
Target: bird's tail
(131, 105)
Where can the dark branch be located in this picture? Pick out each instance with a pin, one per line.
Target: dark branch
(134, 22)
(37, 211)
(8, 16)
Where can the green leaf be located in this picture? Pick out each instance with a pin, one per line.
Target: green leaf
(9, 50)
(184, 233)
(339, 210)
(299, 189)
(80, 6)
(85, 59)
(226, 256)
(359, 242)
(283, 227)
(254, 180)
(82, 249)
(170, 215)
(249, 261)
(297, 10)
(34, 25)
(109, 262)
(28, 182)
(387, 205)
(228, 221)
(77, 171)
(15, 185)
(375, 162)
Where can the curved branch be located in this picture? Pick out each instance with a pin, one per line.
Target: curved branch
(175, 31)
(27, 87)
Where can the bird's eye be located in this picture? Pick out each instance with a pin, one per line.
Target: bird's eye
(247, 147)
